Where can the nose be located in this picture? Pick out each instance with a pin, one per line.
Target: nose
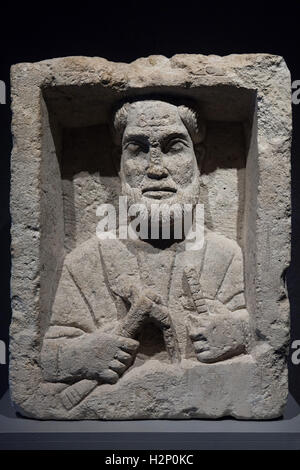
(156, 172)
(155, 168)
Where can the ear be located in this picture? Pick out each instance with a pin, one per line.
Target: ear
(116, 157)
(200, 152)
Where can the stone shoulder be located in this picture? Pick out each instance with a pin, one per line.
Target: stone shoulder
(218, 240)
(82, 251)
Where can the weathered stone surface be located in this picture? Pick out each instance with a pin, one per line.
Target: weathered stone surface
(131, 329)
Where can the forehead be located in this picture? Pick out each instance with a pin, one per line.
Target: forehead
(149, 116)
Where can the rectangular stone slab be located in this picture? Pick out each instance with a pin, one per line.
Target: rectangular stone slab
(62, 170)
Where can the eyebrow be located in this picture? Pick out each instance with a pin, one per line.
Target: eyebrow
(144, 138)
(135, 136)
(174, 135)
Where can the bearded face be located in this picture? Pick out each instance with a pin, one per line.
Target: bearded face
(158, 162)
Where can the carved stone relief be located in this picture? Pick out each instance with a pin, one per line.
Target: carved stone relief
(150, 327)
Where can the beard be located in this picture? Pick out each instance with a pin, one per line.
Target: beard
(164, 217)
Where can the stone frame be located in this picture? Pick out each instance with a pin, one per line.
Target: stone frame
(267, 224)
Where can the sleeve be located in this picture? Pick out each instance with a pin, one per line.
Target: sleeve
(231, 291)
(70, 323)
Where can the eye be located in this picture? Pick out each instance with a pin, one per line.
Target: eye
(136, 147)
(175, 145)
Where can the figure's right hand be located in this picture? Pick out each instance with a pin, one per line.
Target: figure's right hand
(104, 356)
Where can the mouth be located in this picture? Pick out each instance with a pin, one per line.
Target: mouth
(159, 193)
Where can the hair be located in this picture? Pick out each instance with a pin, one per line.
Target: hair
(189, 117)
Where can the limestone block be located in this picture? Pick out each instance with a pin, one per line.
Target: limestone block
(140, 328)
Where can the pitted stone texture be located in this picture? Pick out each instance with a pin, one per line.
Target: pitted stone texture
(217, 341)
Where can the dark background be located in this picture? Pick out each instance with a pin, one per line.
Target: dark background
(135, 29)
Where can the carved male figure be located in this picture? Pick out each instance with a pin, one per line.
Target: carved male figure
(115, 297)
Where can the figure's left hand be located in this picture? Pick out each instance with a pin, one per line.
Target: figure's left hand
(147, 306)
(217, 337)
